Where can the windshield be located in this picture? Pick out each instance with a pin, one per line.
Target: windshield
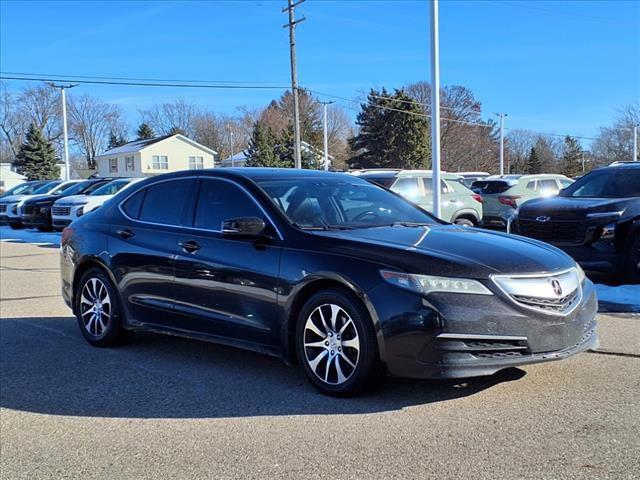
(341, 203)
(110, 188)
(490, 186)
(384, 181)
(607, 183)
(45, 188)
(73, 188)
(22, 189)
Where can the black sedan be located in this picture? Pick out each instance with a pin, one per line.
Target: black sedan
(36, 212)
(323, 268)
(596, 220)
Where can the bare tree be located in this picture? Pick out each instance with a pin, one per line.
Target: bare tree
(12, 124)
(91, 121)
(164, 118)
(41, 105)
(616, 143)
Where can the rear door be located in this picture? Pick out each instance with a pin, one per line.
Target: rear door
(142, 245)
(227, 286)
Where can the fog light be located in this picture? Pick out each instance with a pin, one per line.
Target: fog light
(80, 212)
(608, 232)
(44, 210)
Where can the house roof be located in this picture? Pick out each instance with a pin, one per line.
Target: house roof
(138, 145)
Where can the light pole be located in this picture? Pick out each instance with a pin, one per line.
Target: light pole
(293, 22)
(65, 137)
(233, 162)
(501, 115)
(435, 108)
(635, 143)
(325, 135)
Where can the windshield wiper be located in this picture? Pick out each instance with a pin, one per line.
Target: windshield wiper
(326, 227)
(410, 224)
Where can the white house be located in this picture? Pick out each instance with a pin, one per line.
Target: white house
(154, 156)
(9, 178)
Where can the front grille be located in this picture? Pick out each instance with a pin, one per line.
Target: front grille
(510, 354)
(61, 211)
(558, 305)
(549, 231)
(28, 210)
(3, 208)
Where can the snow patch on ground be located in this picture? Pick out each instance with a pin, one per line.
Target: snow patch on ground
(621, 298)
(25, 235)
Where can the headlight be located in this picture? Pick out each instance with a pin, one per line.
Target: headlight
(426, 284)
(80, 211)
(581, 275)
(604, 214)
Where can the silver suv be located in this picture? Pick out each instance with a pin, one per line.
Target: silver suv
(459, 204)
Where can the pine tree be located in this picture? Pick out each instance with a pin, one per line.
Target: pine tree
(116, 141)
(571, 157)
(534, 164)
(145, 132)
(262, 148)
(393, 133)
(36, 158)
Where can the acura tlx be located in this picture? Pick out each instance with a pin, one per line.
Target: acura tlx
(322, 269)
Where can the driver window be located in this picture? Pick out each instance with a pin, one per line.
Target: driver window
(220, 200)
(407, 187)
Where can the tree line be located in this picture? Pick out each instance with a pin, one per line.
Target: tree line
(391, 130)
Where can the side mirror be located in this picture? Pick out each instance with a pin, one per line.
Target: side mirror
(243, 227)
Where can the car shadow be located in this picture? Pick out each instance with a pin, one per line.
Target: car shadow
(47, 367)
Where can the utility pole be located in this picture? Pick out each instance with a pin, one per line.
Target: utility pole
(501, 115)
(435, 109)
(325, 135)
(233, 162)
(291, 6)
(67, 168)
(582, 151)
(635, 143)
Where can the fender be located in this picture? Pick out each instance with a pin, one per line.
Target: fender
(319, 278)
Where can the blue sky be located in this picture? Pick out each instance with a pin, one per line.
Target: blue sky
(562, 67)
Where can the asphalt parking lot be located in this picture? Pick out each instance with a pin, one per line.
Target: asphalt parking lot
(163, 407)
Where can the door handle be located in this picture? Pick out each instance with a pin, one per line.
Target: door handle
(190, 246)
(125, 233)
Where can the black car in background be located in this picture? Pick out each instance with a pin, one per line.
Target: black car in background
(345, 276)
(36, 212)
(596, 220)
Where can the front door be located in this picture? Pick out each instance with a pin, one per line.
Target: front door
(225, 286)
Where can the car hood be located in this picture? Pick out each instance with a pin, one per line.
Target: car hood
(14, 198)
(449, 250)
(72, 200)
(42, 198)
(572, 207)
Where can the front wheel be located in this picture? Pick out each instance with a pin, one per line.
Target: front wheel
(336, 344)
(97, 310)
(464, 221)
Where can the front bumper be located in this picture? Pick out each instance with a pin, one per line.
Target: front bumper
(457, 336)
(34, 221)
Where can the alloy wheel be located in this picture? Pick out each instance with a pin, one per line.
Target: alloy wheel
(331, 344)
(95, 306)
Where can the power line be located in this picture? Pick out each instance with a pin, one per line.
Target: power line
(146, 84)
(98, 77)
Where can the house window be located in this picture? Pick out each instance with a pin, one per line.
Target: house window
(113, 165)
(196, 163)
(129, 165)
(160, 162)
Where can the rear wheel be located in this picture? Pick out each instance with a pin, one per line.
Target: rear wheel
(336, 344)
(97, 310)
(633, 258)
(464, 221)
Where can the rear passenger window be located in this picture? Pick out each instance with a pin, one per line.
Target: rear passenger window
(132, 205)
(531, 185)
(548, 186)
(165, 201)
(220, 200)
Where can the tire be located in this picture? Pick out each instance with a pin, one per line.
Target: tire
(632, 258)
(350, 348)
(464, 221)
(16, 226)
(45, 229)
(106, 330)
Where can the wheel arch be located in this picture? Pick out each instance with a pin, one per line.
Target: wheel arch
(303, 292)
(467, 213)
(85, 265)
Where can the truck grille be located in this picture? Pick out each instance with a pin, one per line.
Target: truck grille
(549, 231)
(3, 208)
(61, 211)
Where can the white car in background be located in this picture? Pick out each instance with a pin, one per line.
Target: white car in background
(66, 210)
(10, 205)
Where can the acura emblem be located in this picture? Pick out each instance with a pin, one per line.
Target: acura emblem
(543, 219)
(557, 288)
